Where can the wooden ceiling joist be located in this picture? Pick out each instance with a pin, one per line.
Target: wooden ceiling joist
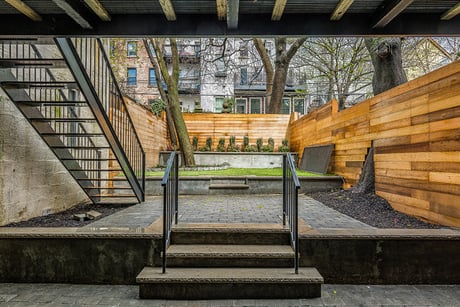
(454, 11)
(278, 9)
(98, 9)
(168, 9)
(72, 13)
(391, 11)
(341, 9)
(233, 8)
(24, 9)
(221, 9)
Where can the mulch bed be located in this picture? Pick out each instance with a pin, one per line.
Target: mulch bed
(65, 218)
(370, 209)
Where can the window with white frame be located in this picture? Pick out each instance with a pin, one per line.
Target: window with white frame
(256, 105)
(299, 105)
(132, 48)
(218, 105)
(240, 106)
(132, 76)
(285, 105)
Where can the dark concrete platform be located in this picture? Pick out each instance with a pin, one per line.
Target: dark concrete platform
(222, 283)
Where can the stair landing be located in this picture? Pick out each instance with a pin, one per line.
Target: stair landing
(229, 283)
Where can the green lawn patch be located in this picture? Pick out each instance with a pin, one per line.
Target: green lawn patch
(235, 172)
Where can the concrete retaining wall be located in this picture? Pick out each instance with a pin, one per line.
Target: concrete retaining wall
(235, 159)
(256, 185)
(32, 180)
(341, 256)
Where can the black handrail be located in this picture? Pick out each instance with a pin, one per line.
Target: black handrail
(291, 188)
(170, 185)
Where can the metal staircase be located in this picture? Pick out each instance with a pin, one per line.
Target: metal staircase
(67, 91)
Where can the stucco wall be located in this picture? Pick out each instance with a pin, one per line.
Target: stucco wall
(32, 180)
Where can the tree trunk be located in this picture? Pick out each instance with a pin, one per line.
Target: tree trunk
(387, 61)
(366, 182)
(172, 82)
(282, 60)
(163, 95)
(279, 82)
(269, 71)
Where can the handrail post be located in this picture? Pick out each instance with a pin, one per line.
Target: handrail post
(296, 230)
(284, 188)
(165, 226)
(176, 187)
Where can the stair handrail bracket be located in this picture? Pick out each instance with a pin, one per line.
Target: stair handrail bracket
(91, 68)
(291, 186)
(170, 185)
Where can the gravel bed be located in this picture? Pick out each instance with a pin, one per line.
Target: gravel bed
(370, 209)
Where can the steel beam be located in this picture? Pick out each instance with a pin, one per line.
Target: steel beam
(194, 25)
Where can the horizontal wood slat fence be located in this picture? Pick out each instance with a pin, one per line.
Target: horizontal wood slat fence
(204, 125)
(152, 131)
(415, 129)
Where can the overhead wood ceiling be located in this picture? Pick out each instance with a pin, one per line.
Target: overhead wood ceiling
(229, 17)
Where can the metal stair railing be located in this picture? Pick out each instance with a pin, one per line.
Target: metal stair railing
(170, 185)
(45, 104)
(291, 186)
(90, 67)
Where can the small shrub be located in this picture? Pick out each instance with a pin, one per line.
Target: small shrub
(250, 148)
(195, 143)
(259, 143)
(246, 141)
(232, 146)
(284, 147)
(209, 143)
(221, 145)
(204, 148)
(271, 142)
(157, 106)
(267, 148)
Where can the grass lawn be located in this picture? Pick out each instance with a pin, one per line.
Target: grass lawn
(236, 172)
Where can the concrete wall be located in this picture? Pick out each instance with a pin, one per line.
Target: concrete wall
(235, 159)
(32, 180)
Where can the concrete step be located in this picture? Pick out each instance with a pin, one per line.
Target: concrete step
(229, 283)
(230, 256)
(241, 234)
(229, 186)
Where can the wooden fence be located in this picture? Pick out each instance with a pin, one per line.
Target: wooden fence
(415, 129)
(216, 126)
(152, 131)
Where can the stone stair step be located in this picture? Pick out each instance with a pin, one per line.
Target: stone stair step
(230, 186)
(240, 234)
(229, 283)
(230, 256)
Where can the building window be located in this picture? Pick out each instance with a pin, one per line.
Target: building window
(218, 106)
(220, 68)
(152, 77)
(132, 76)
(132, 49)
(299, 105)
(240, 106)
(256, 105)
(285, 106)
(244, 76)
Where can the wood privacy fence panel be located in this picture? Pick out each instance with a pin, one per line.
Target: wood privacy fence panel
(152, 131)
(415, 129)
(216, 126)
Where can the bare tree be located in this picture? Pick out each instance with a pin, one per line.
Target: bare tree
(172, 83)
(283, 56)
(340, 66)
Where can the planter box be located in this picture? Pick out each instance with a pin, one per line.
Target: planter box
(235, 159)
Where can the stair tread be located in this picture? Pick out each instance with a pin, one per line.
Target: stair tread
(228, 186)
(222, 251)
(233, 275)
